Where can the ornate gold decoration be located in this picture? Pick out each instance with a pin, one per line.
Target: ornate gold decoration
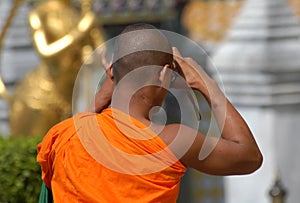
(296, 6)
(63, 37)
(209, 20)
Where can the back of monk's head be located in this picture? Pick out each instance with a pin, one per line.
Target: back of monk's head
(140, 45)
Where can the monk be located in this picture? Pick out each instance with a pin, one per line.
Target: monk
(117, 154)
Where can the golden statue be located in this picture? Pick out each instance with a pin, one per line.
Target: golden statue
(63, 37)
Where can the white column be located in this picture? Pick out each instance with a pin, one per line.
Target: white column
(259, 63)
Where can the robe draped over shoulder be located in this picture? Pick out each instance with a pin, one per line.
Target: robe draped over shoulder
(108, 157)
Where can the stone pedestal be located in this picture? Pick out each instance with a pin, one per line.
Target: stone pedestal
(259, 65)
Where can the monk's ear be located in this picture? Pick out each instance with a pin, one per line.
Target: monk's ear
(109, 71)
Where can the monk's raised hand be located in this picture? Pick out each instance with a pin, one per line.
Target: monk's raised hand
(103, 97)
(192, 72)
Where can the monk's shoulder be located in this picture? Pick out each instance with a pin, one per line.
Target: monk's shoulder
(58, 131)
(62, 126)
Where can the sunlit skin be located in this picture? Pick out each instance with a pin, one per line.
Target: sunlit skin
(235, 153)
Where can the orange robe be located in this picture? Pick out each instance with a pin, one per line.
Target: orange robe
(108, 158)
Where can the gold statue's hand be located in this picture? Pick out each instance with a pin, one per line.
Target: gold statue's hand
(86, 22)
(85, 25)
(47, 49)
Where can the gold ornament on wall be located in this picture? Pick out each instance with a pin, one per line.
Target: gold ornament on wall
(209, 20)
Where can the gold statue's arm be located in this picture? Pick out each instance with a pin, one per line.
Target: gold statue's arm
(48, 50)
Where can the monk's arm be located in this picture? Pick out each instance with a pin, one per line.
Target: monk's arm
(103, 97)
(236, 151)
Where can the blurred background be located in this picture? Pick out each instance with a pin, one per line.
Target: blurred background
(254, 45)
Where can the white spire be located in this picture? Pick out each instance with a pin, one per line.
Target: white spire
(259, 61)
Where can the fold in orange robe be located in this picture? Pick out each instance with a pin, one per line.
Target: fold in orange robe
(108, 157)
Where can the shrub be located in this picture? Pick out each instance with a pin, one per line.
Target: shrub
(20, 179)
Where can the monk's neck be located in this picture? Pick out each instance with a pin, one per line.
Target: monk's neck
(137, 109)
(138, 105)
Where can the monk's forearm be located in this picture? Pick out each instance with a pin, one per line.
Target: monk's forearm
(232, 125)
(233, 129)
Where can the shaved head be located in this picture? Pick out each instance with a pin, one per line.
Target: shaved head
(140, 45)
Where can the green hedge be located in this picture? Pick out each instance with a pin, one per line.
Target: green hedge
(20, 176)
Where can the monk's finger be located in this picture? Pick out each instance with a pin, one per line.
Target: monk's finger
(109, 71)
(178, 68)
(111, 60)
(178, 59)
(176, 52)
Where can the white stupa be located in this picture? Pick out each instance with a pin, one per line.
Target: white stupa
(259, 63)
